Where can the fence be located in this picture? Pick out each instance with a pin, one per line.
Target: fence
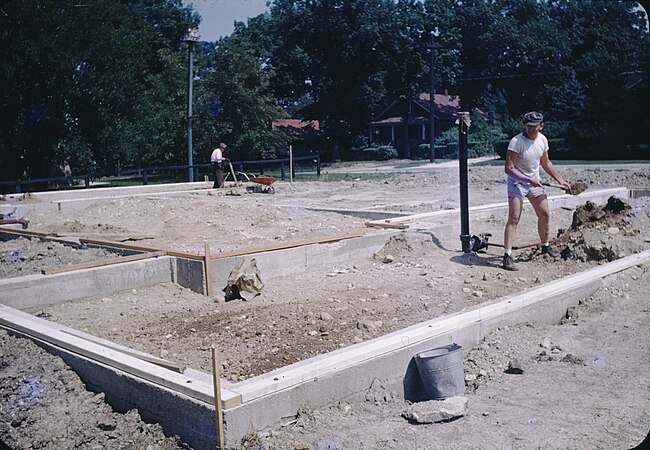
(45, 184)
(240, 166)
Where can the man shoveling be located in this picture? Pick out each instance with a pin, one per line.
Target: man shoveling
(527, 151)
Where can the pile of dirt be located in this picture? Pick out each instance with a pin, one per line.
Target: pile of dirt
(406, 246)
(44, 404)
(611, 214)
(602, 232)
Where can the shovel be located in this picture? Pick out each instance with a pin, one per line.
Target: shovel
(576, 188)
(232, 171)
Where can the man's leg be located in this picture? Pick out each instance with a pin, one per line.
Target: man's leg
(540, 205)
(219, 178)
(215, 169)
(515, 206)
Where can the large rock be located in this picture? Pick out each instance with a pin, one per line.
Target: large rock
(437, 410)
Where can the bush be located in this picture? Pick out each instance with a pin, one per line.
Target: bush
(373, 152)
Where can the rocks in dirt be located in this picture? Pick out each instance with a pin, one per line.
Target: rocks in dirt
(516, 367)
(388, 259)
(571, 359)
(435, 411)
(545, 343)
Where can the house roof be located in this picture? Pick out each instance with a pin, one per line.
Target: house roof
(446, 107)
(298, 128)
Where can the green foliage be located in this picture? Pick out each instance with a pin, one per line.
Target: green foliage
(363, 150)
(104, 84)
(373, 153)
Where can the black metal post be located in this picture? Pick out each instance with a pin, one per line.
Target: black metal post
(191, 37)
(463, 126)
(190, 70)
(432, 104)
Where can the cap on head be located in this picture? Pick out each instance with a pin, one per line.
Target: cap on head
(533, 118)
(222, 145)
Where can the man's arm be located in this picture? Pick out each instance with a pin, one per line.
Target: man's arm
(512, 171)
(549, 168)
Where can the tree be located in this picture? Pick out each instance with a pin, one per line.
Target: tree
(79, 81)
(235, 103)
(340, 58)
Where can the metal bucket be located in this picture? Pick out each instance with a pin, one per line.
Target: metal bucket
(441, 371)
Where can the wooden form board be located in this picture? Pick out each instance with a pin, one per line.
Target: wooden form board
(319, 366)
(108, 262)
(171, 365)
(61, 337)
(141, 248)
(284, 245)
(224, 254)
(25, 232)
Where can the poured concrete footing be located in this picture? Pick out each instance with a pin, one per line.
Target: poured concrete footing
(183, 403)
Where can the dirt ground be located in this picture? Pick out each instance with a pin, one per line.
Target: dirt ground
(602, 402)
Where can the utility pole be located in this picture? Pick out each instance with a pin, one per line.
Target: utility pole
(432, 105)
(191, 37)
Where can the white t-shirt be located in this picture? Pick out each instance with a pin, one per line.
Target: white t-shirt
(530, 152)
(217, 155)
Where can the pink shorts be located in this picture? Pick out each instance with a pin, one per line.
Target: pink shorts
(518, 188)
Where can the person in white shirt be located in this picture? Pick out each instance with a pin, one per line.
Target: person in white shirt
(217, 164)
(526, 153)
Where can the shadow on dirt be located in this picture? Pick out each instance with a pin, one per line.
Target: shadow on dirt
(476, 259)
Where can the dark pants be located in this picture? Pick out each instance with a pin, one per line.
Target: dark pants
(218, 175)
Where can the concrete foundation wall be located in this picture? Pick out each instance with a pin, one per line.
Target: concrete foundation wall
(33, 291)
(299, 259)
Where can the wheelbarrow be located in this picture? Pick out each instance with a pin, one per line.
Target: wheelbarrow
(263, 184)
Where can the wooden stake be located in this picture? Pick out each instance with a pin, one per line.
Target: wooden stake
(290, 163)
(208, 268)
(218, 412)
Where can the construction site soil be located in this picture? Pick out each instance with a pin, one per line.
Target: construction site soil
(588, 388)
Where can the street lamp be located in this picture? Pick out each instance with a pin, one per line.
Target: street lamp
(191, 37)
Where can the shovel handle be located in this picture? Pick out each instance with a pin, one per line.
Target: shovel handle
(559, 186)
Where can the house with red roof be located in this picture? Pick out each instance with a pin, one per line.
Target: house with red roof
(305, 136)
(406, 120)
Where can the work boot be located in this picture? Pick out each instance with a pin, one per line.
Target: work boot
(550, 251)
(508, 262)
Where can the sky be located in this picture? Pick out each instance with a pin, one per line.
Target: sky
(218, 16)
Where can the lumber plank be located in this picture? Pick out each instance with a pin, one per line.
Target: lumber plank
(26, 232)
(171, 365)
(140, 248)
(284, 245)
(108, 262)
(398, 226)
